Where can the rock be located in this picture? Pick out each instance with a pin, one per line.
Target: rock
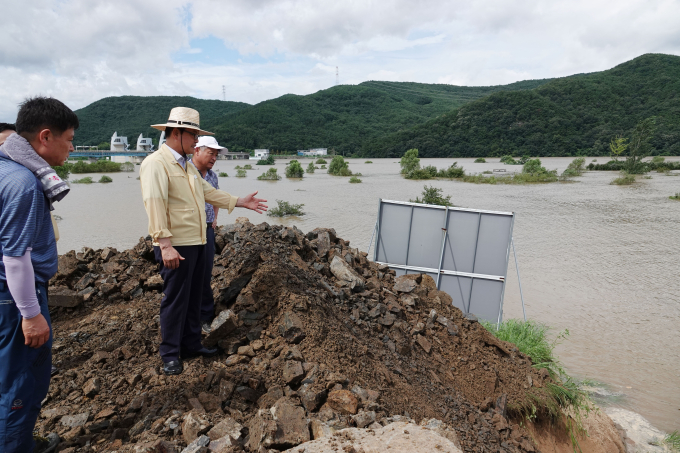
(73, 421)
(248, 393)
(92, 387)
(291, 328)
(198, 445)
(85, 281)
(291, 353)
(64, 297)
(105, 413)
(400, 436)
(195, 404)
(320, 429)
(363, 419)
(310, 398)
(67, 265)
(344, 272)
(404, 284)
(270, 398)
(246, 351)
(224, 324)
(424, 343)
(236, 359)
(194, 425)
(262, 429)
(343, 401)
(108, 253)
(323, 244)
(155, 282)
(227, 427)
(292, 372)
(222, 445)
(226, 389)
(210, 402)
(163, 446)
(291, 423)
(100, 356)
(638, 434)
(54, 413)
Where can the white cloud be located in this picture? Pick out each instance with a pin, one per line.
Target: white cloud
(82, 50)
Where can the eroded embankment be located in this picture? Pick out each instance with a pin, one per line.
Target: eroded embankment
(317, 338)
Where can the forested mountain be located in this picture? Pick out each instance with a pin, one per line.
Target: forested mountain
(575, 115)
(553, 117)
(132, 115)
(343, 117)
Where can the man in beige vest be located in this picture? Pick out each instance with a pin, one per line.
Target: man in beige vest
(174, 195)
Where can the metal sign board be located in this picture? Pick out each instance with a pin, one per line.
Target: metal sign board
(465, 251)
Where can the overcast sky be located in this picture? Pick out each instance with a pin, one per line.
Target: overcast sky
(80, 51)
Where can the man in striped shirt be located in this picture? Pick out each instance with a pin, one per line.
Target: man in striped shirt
(205, 155)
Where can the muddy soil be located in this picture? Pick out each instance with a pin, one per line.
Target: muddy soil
(314, 338)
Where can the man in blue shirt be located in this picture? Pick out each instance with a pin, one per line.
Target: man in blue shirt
(205, 155)
(28, 259)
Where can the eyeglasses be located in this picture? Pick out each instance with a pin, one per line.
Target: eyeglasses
(194, 136)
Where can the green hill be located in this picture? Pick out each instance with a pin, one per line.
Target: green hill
(576, 115)
(343, 117)
(132, 115)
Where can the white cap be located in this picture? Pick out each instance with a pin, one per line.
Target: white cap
(210, 142)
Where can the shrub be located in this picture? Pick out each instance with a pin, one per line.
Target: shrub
(658, 159)
(223, 174)
(575, 168)
(241, 173)
(101, 166)
(268, 161)
(294, 170)
(624, 180)
(354, 180)
(418, 173)
(269, 175)
(368, 162)
(433, 195)
(454, 171)
(323, 167)
(508, 160)
(320, 161)
(238, 167)
(675, 197)
(85, 180)
(127, 166)
(247, 167)
(338, 167)
(105, 179)
(311, 168)
(487, 172)
(480, 160)
(284, 208)
(410, 162)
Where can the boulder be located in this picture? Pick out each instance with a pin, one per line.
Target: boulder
(227, 427)
(404, 284)
(343, 401)
(292, 372)
(194, 425)
(291, 328)
(224, 324)
(92, 387)
(345, 273)
(198, 446)
(73, 421)
(64, 297)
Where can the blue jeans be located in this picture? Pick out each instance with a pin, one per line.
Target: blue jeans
(24, 375)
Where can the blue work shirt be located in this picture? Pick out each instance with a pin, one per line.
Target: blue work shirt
(211, 177)
(25, 221)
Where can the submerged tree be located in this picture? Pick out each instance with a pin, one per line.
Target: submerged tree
(617, 146)
(409, 162)
(639, 147)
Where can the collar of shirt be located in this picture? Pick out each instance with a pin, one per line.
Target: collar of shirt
(208, 173)
(182, 161)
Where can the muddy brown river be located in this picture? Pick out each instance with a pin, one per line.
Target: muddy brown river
(596, 259)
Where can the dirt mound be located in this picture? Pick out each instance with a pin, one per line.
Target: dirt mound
(316, 338)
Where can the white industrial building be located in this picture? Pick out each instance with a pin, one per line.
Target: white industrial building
(144, 144)
(313, 152)
(118, 143)
(261, 154)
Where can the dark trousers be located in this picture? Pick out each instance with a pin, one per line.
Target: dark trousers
(24, 375)
(208, 303)
(181, 303)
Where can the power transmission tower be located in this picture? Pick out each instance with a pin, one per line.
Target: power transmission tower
(337, 76)
(224, 93)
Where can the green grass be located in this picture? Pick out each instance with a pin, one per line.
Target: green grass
(223, 174)
(284, 209)
(354, 180)
(105, 179)
(247, 167)
(241, 173)
(323, 167)
(624, 180)
(368, 162)
(561, 397)
(321, 161)
(85, 180)
(480, 160)
(673, 441)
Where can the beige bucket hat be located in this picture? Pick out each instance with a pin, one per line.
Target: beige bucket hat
(183, 117)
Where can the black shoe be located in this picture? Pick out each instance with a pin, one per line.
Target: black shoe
(205, 327)
(173, 367)
(46, 444)
(54, 370)
(203, 352)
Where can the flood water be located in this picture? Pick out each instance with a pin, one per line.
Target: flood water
(597, 259)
